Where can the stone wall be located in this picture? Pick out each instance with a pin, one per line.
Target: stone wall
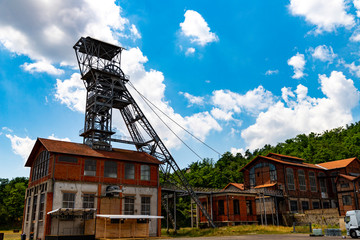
(318, 216)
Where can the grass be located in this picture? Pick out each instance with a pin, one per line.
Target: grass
(228, 231)
(9, 235)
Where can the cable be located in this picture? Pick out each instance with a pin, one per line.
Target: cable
(165, 123)
(147, 100)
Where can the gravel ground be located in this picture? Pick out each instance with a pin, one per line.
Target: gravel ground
(263, 237)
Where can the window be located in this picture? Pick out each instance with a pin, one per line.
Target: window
(302, 183)
(145, 205)
(41, 166)
(89, 201)
(316, 205)
(312, 180)
(129, 205)
(293, 206)
(68, 159)
(145, 172)
(252, 177)
(322, 182)
(304, 205)
(28, 208)
(333, 178)
(273, 175)
(249, 208)
(326, 204)
(344, 185)
(221, 207)
(346, 200)
(42, 206)
(290, 178)
(34, 208)
(110, 169)
(90, 167)
(68, 200)
(236, 207)
(129, 171)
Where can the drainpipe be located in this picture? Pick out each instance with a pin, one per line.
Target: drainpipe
(356, 197)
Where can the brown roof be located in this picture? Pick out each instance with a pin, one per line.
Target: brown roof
(285, 156)
(56, 146)
(348, 177)
(237, 185)
(300, 164)
(337, 164)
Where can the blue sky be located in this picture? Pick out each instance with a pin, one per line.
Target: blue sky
(237, 74)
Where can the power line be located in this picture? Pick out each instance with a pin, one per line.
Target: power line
(147, 100)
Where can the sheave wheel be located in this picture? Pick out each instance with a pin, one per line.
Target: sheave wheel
(353, 234)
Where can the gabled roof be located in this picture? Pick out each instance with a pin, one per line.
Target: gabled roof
(348, 177)
(285, 156)
(240, 186)
(298, 163)
(337, 164)
(56, 146)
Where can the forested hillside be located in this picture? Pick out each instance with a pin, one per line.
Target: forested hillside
(12, 197)
(330, 145)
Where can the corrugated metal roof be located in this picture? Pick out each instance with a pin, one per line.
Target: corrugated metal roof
(337, 164)
(56, 146)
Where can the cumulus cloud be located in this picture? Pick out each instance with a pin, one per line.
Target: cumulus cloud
(190, 51)
(235, 151)
(220, 114)
(303, 114)
(354, 69)
(298, 63)
(45, 31)
(252, 102)
(53, 137)
(193, 100)
(71, 92)
(323, 53)
(21, 146)
(42, 67)
(326, 15)
(357, 6)
(271, 72)
(196, 28)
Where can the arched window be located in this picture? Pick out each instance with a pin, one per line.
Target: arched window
(41, 166)
(312, 180)
(290, 178)
(302, 182)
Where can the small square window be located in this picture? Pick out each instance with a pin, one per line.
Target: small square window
(68, 200)
(89, 201)
(90, 167)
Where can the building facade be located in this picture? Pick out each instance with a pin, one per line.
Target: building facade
(299, 186)
(73, 188)
(230, 206)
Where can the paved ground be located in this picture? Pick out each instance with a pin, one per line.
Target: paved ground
(263, 237)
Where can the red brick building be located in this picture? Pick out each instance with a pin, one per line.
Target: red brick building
(303, 186)
(231, 206)
(70, 184)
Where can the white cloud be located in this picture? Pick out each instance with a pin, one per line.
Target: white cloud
(21, 146)
(190, 51)
(354, 69)
(196, 28)
(357, 6)
(271, 72)
(42, 67)
(7, 129)
(220, 114)
(235, 151)
(53, 137)
(135, 32)
(298, 63)
(326, 15)
(193, 100)
(71, 92)
(253, 101)
(323, 53)
(45, 31)
(355, 37)
(304, 114)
